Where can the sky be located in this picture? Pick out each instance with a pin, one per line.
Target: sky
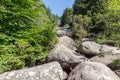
(58, 6)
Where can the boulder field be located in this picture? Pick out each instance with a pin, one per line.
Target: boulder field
(63, 57)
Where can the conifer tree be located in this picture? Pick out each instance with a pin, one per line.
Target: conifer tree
(65, 19)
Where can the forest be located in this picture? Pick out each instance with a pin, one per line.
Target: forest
(27, 29)
(97, 19)
(26, 33)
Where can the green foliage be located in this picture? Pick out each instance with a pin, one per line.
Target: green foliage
(66, 17)
(88, 7)
(104, 16)
(79, 25)
(116, 63)
(110, 26)
(54, 18)
(26, 34)
(10, 61)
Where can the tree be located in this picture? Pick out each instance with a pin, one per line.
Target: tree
(65, 19)
(88, 7)
(26, 34)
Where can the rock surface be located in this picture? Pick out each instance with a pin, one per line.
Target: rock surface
(92, 71)
(66, 57)
(61, 31)
(106, 59)
(92, 48)
(67, 42)
(117, 72)
(50, 71)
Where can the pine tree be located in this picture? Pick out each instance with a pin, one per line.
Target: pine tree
(65, 19)
(88, 7)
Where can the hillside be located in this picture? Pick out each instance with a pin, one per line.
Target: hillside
(26, 34)
(82, 44)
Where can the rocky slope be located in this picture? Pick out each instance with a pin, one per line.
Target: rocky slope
(63, 57)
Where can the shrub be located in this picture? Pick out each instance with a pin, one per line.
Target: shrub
(26, 34)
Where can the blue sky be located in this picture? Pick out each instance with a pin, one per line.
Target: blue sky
(58, 6)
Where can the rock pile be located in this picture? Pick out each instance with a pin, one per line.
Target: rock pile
(64, 57)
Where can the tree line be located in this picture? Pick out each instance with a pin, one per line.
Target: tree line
(26, 33)
(96, 19)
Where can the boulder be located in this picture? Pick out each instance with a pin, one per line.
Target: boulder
(110, 50)
(92, 48)
(117, 72)
(106, 59)
(61, 33)
(65, 56)
(67, 42)
(92, 71)
(50, 71)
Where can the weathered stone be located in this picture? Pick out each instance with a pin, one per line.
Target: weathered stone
(61, 33)
(50, 71)
(106, 59)
(117, 72)
(92, 71)
(92, 48)
(67, 42)
(66, 57)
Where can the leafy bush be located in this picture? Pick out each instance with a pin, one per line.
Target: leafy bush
(104, 18)
(10, 61)
(79, 25)
(26, 34)
(116, 63)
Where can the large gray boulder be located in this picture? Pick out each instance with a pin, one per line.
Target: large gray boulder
(50, 71)
(92, 48)
(65, 56)
(106, 59)
(67, 42)
(92, 71)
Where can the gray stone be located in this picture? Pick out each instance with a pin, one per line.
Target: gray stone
(92, 48)
(67, 42)
(65, 56)
(106, 59)
(61, 33)
(117, 72)
(92, 71)
(50, 71)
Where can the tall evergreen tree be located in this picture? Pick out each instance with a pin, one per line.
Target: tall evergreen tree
(88, 7)
(65, 19)
(105, 17)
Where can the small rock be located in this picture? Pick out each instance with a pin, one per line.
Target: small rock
(117, 72)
